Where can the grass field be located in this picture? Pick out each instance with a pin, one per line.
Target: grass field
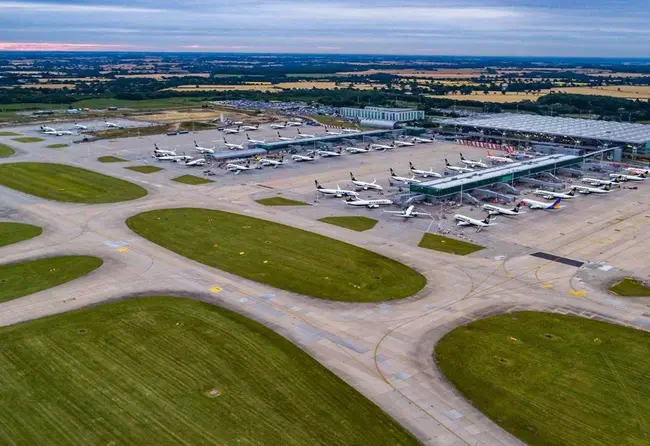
(355, 223)
(17, 232)
(28, 139)
(67, 183)
(57, 146)
(278, 255)
(169, 371)
(110, 159)
(8, 133)
(445, 244)
(144, 169)
(21, 279)
(337, 122)
(191, 179)
(551, 379)
(280, 201)
(630, 287)
(177, 102)
(6, 151)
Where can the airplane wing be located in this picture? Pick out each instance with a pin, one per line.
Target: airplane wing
(463, 223)
(395, 212)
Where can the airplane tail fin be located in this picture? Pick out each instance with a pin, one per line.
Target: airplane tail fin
(489, 153)
(411, 165)
(487, 219)
(392, 172)
(556, 204)
(352, 177)
(248, 137)
(318, 186)
(517, 207)
(572, 192)
(447, 162)
(462, 157)
(607, 187)
(348, 198)
(155, 146)
(643, 175)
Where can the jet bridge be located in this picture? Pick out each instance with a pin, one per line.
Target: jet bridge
(540, 183)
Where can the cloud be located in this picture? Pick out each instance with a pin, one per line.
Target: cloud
(72, 8)
(50, 46)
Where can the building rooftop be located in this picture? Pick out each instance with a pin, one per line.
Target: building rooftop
(278, 145)
(618, 132)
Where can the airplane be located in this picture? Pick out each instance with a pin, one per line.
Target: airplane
(592, 190)
(424, 173)
(599, 182)
(159, 152)
(338, 192)
(496, 210)
(174, 158)
(469, 221)
(457, 168)
(637, 171)
(329, 132)
(293, 124)
(400, 143)
(542, 204)
(370, 204)
(272, 162)
(58, 132)
(249, 128)
(422, 140)
(45, 128)
(231, 131)
(285, 138)
(408, 213)
(472, 163)
(237, 168)
(382, 147)
(365, 186)
(233, 146)
(80, 127)
(195, 163)
(549, 195)
(640, 177)
(353, 150)
(302, 158)
(238, 123)
(254, 141)
(202, 149)
(499, 159)
(346, 130)
(114, 125)
(277, 126)
(328, 153)
(304, 135)
(403, 179)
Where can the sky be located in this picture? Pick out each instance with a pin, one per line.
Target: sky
(565, 28)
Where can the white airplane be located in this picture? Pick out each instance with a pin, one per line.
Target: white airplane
(408, 213)
(550, 195)
(382, 147)
(272, 162)
(277, 126)
(403, 179)
(304, 135)
(328, 153)
(174, 158)
(338, 192)
(203, 149)
(231, 131)
(302, 158)
(423, 173)
(294, 124)
(472, 163)
(195, 163)
(623, 177)
(45, 128)
(80, 127)
(364, 185)
(370, 204)
(599, 182)
(58, 132)
(237, 168)
(496, 210)
(417, 139)
(249, 128)
(637, 171)
(255, 141)
(400, 143)
(354, 150)
(469, 221)
(351, 131)
(114, 125)
(329, 132)
(232, 146)
(285, 138)
(499, 159)
(457, 168)
(238, 123)
(158, 152)
(542, 204)
(592, 190)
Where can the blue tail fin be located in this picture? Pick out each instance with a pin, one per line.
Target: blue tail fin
(555, 205)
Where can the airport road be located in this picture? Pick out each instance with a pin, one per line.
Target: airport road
(383, 350)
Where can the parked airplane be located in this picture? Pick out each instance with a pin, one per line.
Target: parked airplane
(424, 173)
(382, 147)
(549, 195)
(231, 131)
(80, 127)
(370, 204)
(232, 146)
(499, 159)
(249, 128)
(293, 124)
(364, 185)
(346, 130)
(329, 132)
(338, 192)
(58, 132)
(599, 182)
(302, 158)
(255, 141)
(45, 128)
(114, 125)
(457, 168)
(637, 171)
(401, 143)
(237, 168)
(203, 149)
(403, 179)
(496, 210)
(305, 135)
(408, 213)
(272, 162)
(623, 177)
(469, 221)
(285, 138)
(592, 190)
(277, 126)
(354, 150)
(422, 140)
(196, 163)
(542, 204)
(159, 152)
(472, 163)
(238, 123)
(174, 158)
(328, 153)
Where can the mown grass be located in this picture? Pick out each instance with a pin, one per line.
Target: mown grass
(144, 169)
(336, 122)
(110, 159)
(630, 287)
(57, 146)
(280, 201)
(17, 232)
(191, 179)
(9, 134)
(6, 151)
(20, 279)
(168, 371)
(67, 183)
(445, 244)
(355, 223)
(173, 102)
(132, 131)
(28, 139)
(551, 379)
(278, 255)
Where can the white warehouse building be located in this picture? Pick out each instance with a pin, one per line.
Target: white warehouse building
(382, 114)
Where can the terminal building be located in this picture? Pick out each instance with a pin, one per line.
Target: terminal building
(382, 114)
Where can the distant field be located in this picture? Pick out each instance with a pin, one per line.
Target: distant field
(623, 91)
(17, 232)
(48, 86)
(6, 151)
(159, 76)
(192, 180)
(443, 73)
(307, 85)
(145, 169)
(168, 371)
(495, 98)
(177, 102)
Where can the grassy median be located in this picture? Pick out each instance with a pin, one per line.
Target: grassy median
(17, 232)
(630, 287)
(280, 201)
(359, 224)
(192, 180)
(6, 151)
(449, 245)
